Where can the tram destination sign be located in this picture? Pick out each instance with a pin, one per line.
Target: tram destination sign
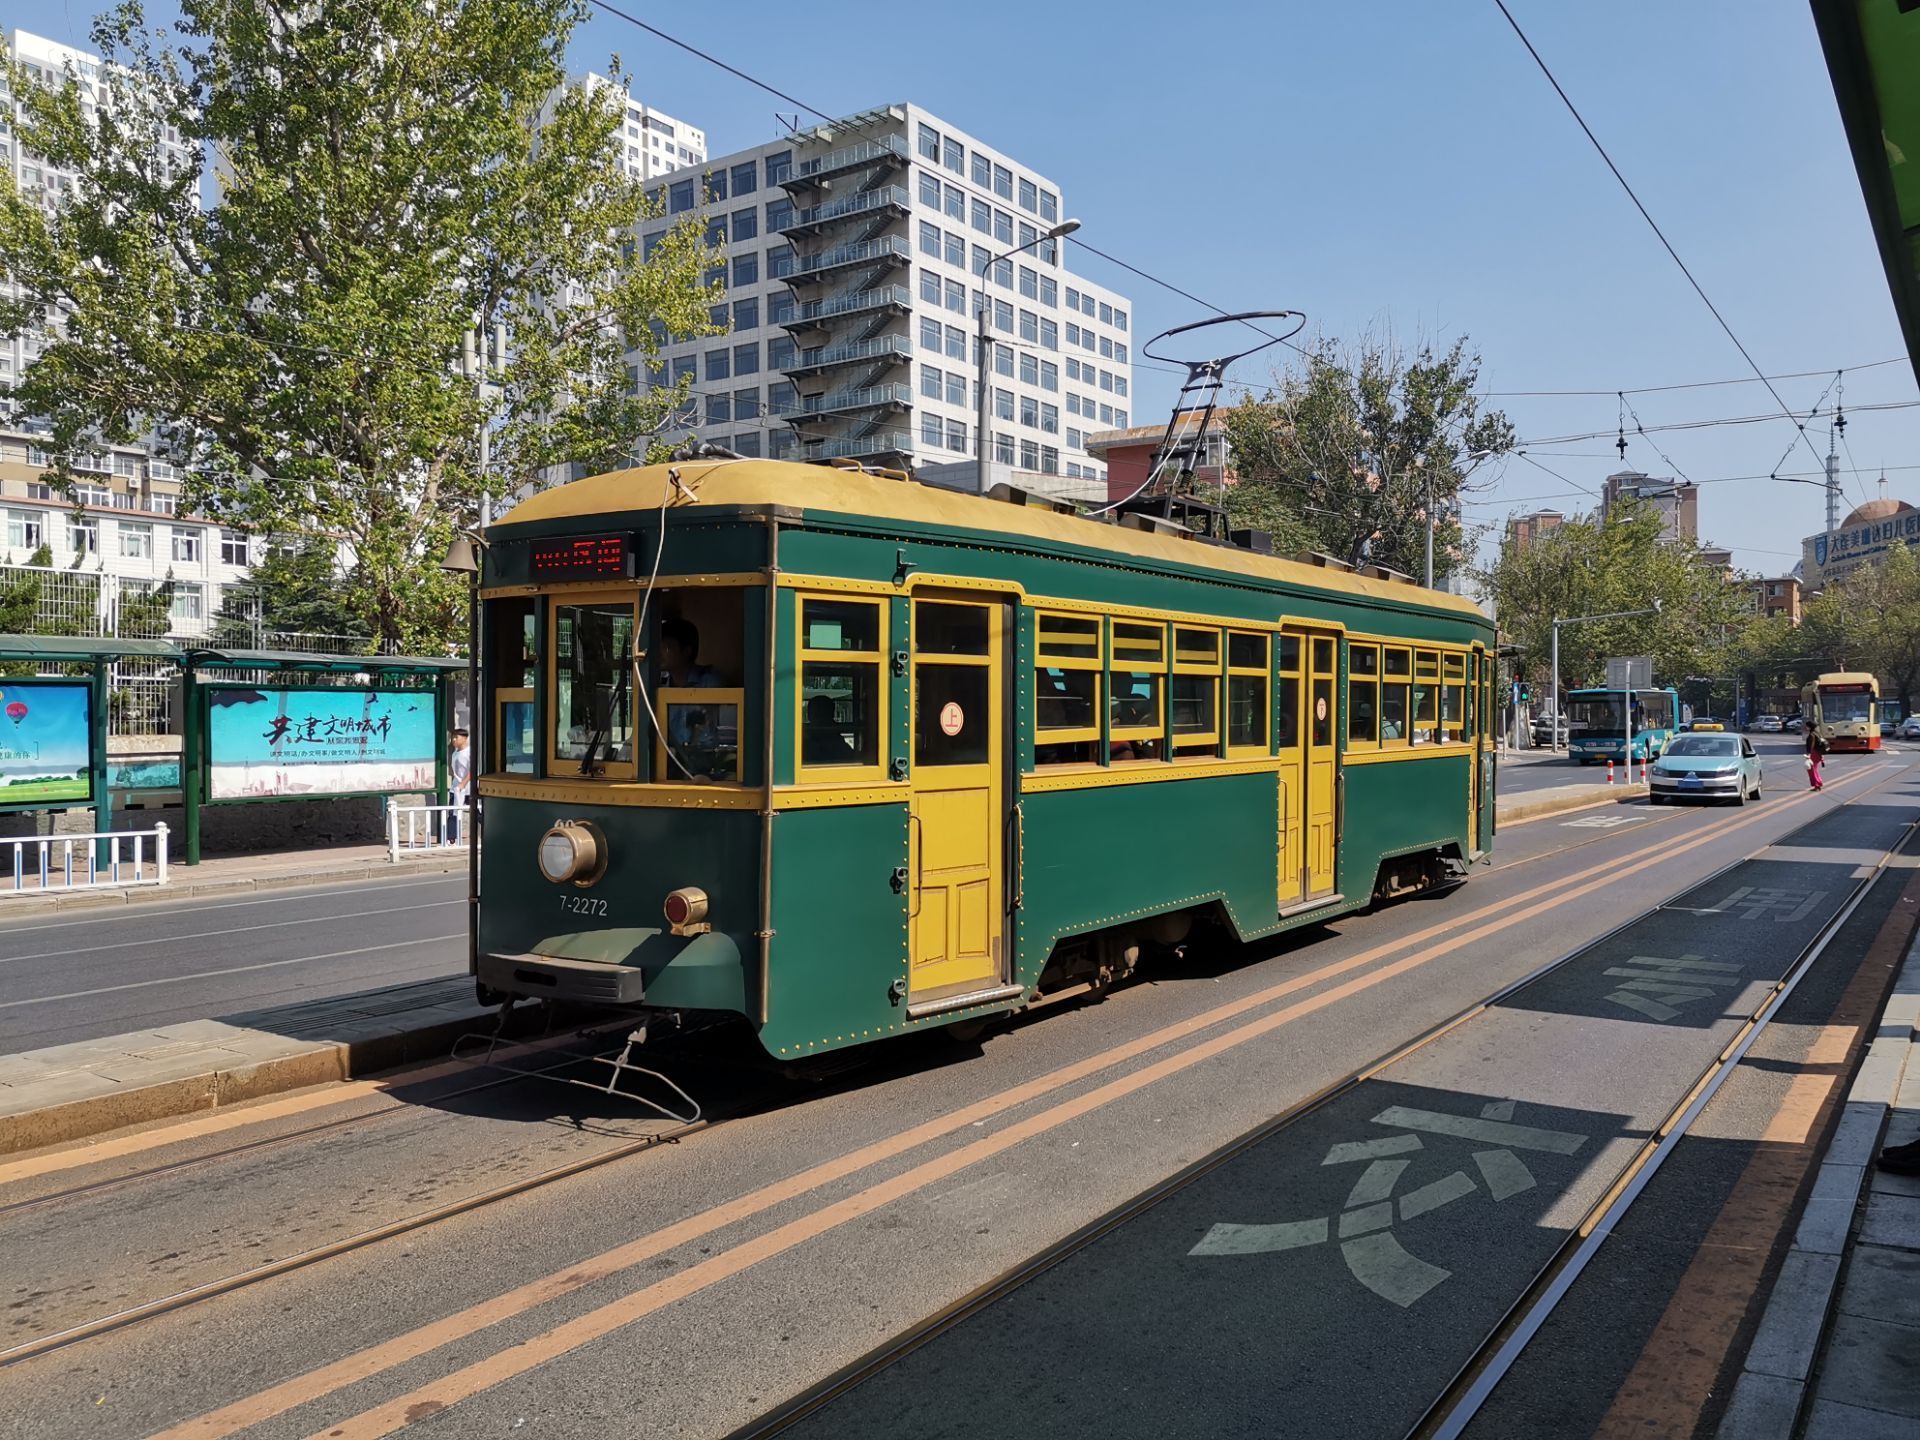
(582, 557)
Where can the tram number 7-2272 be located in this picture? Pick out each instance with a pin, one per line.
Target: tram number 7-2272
(583, 905)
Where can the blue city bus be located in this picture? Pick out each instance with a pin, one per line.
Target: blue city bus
(1597, 725)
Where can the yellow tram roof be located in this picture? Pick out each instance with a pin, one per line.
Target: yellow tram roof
(825, 490)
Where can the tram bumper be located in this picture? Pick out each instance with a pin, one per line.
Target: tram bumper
(593, 982)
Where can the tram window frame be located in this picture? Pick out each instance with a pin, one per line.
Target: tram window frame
(1198, 655)
(1287, 731)
(1248, 657)
(1363, 696)
(1139, 653)
(609, 768)
(867, 662)
(1069, 649)
(669, 699)
(1453, 698)
(1423, 723)
(513, 670)
(1396, 682)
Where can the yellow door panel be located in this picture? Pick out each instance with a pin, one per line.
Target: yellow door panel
(957, 831)
(973, 905)
(1292, 832)
(931, 950)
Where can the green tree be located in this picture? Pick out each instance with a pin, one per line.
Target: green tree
(1593, 565)
(146, 614)
(1343, 450)
(1870, 620)
(388, 182)
(289, 588)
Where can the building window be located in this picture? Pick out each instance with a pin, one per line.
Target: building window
(719, 408)
(1086, 304)
(930, 189)
(1003, 227)
(953, 155)
(779, 215)
(1029, 326)
(957, 435)
(779, 167)
(929, 143)
(744, 226)
(1119, 319)
(956, 387)
(980, 258)
(1049, 375)
(25, 530)
(1003, 182)
(1049, 206)
(1029, 283)
(1119, 352)
(679, 196)
(718, 367)
(746, 269)
(189, 602)
(136, 541)
(1003, 404)
(1003, 316)
(956, 343)
(1106, 313)
(747, 443)
(780, 306)
(746, 314)
(930, 287)
(956, 296)
(956, 250)
(930, 334)
(1003, 361)
(1029, 368)
(956, 202)
(746, 404)
(782, 398)
(746, 359)
(929, 239)
(781, 444)
(1050, 419)
(1120, 385)
(1030, 412)
(782, 352)
(1003, 449)
(780, 262)
(1049, 334)
(1049, 291)
(186, 547)
(930, 434)
(746, 178)
(83, 535)
(932, 382)
(1029, 454)
(1029, 195)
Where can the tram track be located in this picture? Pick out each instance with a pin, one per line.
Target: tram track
(1453, 1410)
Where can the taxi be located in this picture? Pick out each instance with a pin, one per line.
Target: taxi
(1704, 722)
(1705, 767)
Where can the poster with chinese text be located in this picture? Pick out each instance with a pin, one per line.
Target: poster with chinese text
(270, 743)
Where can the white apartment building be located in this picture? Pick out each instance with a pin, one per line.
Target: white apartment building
(854, 255)
(650, 142)
(122, 521)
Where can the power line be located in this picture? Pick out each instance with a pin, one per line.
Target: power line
(1688, 385)
(1769, 418)
(1648, 217)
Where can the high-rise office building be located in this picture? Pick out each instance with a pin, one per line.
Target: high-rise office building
(856, 256)
(649, 142)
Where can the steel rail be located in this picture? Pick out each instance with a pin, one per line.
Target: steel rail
(824, 1392)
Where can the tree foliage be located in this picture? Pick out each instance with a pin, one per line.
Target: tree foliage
(383, 189)
(289, 588)
(1595, 565)
(1342, 451)
(1867, 620)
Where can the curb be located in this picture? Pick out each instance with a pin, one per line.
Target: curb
(193, 889)
(1522, 810)
(325, 1063)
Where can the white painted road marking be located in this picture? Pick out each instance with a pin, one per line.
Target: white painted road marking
(1602, 822)
(1657, 987)
(1373, 1255)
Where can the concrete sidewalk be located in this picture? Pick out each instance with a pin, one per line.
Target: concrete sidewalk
(1837, 1352)
(68, 1092)
(243, 872)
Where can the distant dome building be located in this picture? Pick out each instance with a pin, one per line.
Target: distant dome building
(1864, 538)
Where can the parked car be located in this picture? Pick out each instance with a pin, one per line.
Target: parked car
(1543, 727)
(1706, 767)
(1886, 729)
(1768, 725)
(1792, 724)
(1910, 728)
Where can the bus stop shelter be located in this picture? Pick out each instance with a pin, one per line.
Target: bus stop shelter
(198, 668)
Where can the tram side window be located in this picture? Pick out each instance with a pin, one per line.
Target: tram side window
(1247, 709)
(593, 688)
(1453, 698)
(1066, 689)
(1195, 690)
(1135, 723)
(1426, 697)
(1363, 696)
(513, 655)
(840, 692)
(695, 656)
(1287, 711)
(1397, 668)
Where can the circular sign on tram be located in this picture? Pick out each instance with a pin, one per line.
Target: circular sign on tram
(952, 717)
(1320, 708)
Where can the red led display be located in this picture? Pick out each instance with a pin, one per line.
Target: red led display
(590, 557)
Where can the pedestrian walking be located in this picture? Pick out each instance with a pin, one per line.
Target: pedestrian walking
(1816, 754)
(459, 780)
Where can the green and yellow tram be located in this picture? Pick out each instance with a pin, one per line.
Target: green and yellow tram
(850, 756)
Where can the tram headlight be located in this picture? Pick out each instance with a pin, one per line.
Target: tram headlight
(573, 851)
(686, 911)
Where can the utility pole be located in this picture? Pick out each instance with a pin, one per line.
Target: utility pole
(1833, 481)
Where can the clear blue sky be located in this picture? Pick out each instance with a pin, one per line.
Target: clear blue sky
(1402, 166)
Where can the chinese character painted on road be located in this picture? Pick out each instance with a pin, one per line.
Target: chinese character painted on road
(1364, 1227)
(1658, 988)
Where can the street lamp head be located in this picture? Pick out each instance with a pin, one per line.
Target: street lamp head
(1065, 227)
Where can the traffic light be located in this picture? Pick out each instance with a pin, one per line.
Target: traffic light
(1526, 693)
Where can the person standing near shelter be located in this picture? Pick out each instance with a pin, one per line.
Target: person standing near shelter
(459, 779)
(1816, 753)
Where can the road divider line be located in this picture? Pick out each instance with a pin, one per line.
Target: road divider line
(148, 943)
(233, 970)
(386, 1355)
(308, 890)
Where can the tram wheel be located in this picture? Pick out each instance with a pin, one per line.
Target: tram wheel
(965, 1032)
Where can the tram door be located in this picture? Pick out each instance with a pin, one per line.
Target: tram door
(957, 905)
(1477, 727)
(1308, 720)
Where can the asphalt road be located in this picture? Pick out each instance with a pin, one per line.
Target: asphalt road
(79, 975)
(688, 1289)
(1521, 772)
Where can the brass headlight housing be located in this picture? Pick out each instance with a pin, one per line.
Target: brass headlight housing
(573, 851)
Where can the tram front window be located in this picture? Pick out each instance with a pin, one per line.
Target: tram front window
(593, 684)
(1840, 706)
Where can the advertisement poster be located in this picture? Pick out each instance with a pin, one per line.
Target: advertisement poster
(264, 744)
(143, 774)
(46, 733)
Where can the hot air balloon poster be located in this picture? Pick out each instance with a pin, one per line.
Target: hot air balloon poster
(271, 741)
(46, 741)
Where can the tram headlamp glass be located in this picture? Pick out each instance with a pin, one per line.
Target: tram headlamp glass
(572, 851)
(686, 911)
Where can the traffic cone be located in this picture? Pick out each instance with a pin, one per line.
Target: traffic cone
(1609, 772)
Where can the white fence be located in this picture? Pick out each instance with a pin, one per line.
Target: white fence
(55, 863)
(418, 829)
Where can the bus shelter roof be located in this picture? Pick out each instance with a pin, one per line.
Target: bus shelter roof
(78, 649)
(301, 660)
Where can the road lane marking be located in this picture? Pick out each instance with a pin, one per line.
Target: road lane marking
(234, 970)
(184, 904)
(150, 943)
(386, 1355)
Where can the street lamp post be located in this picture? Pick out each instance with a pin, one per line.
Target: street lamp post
(982, 436)
(1553, 726)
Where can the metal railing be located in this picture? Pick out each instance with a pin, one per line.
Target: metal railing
(859, 252)
(893, 442)
(418, 829)
(886, 345)
(894, 195)
(872, 397)
(79, 867)
(848, 304)
(852, 157)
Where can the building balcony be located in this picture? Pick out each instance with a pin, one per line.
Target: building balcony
(886, 442)
(882, 349)
(891, 150)
(886, 201)
(817, 313)
(884, 253)
(873, 397)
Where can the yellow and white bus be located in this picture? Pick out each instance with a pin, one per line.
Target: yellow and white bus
(1843, 708)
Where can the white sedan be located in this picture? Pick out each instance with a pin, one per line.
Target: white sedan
(1705, 767)
(1910, 728)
